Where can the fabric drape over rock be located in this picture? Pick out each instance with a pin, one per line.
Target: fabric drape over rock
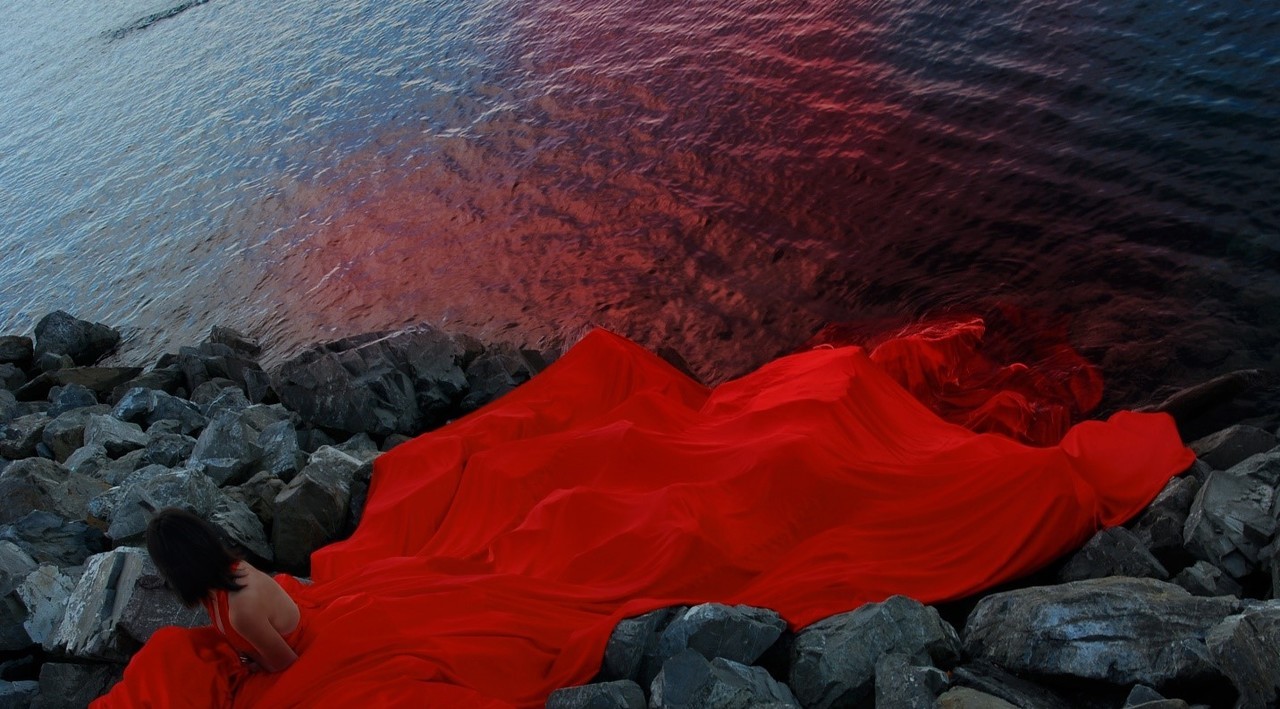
(496, 554)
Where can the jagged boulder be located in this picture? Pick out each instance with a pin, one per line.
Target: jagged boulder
(8, 406)
(11, 378)
(147, 406)
(70, 398)
(241, 526)
(1159, 527)
(100, 380)
(43, 595)
(64, 435)
(116, 436)
(15, 565)
(1231, 445)
(83, 341)
(1205, 579)
(70, 685)
(282, 456)
(1234, 517)
(51, 539)
(14, 695)
(902, 682)
(990, 679)
(227, 449)
(1118, 630)
(632, 651)
(17, 350)
(259, 494)
(738, 633)
(168, 449)
(689, 681)
(1114, 551)
(834, 660)
(1244, 647)
(622, 694)
(158, 488)
(496, 371)
(969, 698)
(40, 484)
(312, 507)
(20, 436)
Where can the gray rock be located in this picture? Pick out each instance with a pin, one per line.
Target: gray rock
(229, 399)
(14, 695)
(496, 371)
(88, 460)
(83, 341)
(237, 341)
(738, 633)
(1159, 527)
(151, 606)
(147, 406)
(834, 660)
(117, 436)
(15, 349)
(11, 378)
(51, 362)
(689, 681)
(1230, 446)
(39, 484)
(360, 447)
(622, 694)
(18, 437)
(1205, 579)
(66, 685)
(1244, 647)
(189, 489)
(1233, 515)
(101, 380)
(282, 457)
(259, 494)
(966, 698)
(990, 679)
(51, 539)
(124, 466)
(1118, 630)
(632, 652)
(64, 435)
(1114, 551)
(44, 594)
(312, 507)
(168, 449)
(901, 683)
(169, 380)
(257, 386)
(213, 361)
(394, 440)
(15, 565)
(1142, 694)
(227, 449)
(70, 398)
(242, 526)
(379, 384)
(203, 394)
(260, 417)
(8, 406)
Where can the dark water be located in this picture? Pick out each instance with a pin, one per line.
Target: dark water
(720, 177)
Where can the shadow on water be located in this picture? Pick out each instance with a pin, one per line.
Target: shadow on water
(145, 22)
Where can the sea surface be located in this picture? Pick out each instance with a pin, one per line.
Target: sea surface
(719, 177)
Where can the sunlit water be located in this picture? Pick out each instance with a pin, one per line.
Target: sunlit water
(721, 177)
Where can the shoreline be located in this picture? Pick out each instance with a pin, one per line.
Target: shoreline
(81, 445)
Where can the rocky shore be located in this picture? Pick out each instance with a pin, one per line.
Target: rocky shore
(1178, 608)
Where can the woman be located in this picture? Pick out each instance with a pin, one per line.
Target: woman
(248, 607)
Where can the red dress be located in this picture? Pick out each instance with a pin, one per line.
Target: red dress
(497, 553)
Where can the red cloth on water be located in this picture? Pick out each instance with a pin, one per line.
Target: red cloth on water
(496, 554)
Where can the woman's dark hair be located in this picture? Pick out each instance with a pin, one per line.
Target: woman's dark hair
(190, 555)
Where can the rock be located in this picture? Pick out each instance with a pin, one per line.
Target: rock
(241, 526)
(168, 449)
(1141, 694)
(238, 342)
(39, 484)
(1114, 551)
(1159, 527)
(379, 384)
(901, 683)
(15, 565)
(834, 660)
(51, 539)
(117, 603)
(229, 399)
(990, 679)
(205, 393)
(1205, 579)
(360, 447)
(100, 380)
(16, 350)
(623, 694)
(8, 406)
(122, 467)
(1195, 401)
(212, 361)
(64, 435)
(148, 406)
(1233, 515)
(260, 417)
(169, 380)
(738, 633)
(189, 489)
(282, 457)
(496, 371)
(114, 435)
(51, 362)
(18, 694)
(1229, 446)
(394, 440)
(1118, 630)
(11, 378)
(83, 341)
(44, 594)
(632, 652)
(966, 698)
(688, 680)
(259, 494)
(18, 438)
(65, 685)
(257, 385)
(70, 398)
(312, 507)
(227, 449)
(312, 439)
(1244, 647)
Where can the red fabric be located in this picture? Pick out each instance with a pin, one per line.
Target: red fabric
(497, 553)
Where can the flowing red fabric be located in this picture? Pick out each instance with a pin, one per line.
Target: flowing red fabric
(497, 553)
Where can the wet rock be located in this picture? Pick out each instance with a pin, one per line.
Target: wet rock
(737, 633)
(1159, 527)
(70, 398)
(227, 449)
(966, 698)
(16, 350)
(100, 380)
(312, 507)
(84, 341)
(66, 685)
(990, 679)
(168, 449)
(379, 384)
(1233, 515)
(242, 526)
(51, 539)
(148, 406)
(282, 457)
(18, 694)
(688, 680)
(1205, 579)
(39, 484)
(1117, 630)
(114, 435)
(1114, 551)
(834, 660)
(622, 694)
(11, 378)
(19, 437)
(1244, 647)
(902, 683)
(161, 488)
(1232, 445)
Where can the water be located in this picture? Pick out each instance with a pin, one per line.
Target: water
(719, 177)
